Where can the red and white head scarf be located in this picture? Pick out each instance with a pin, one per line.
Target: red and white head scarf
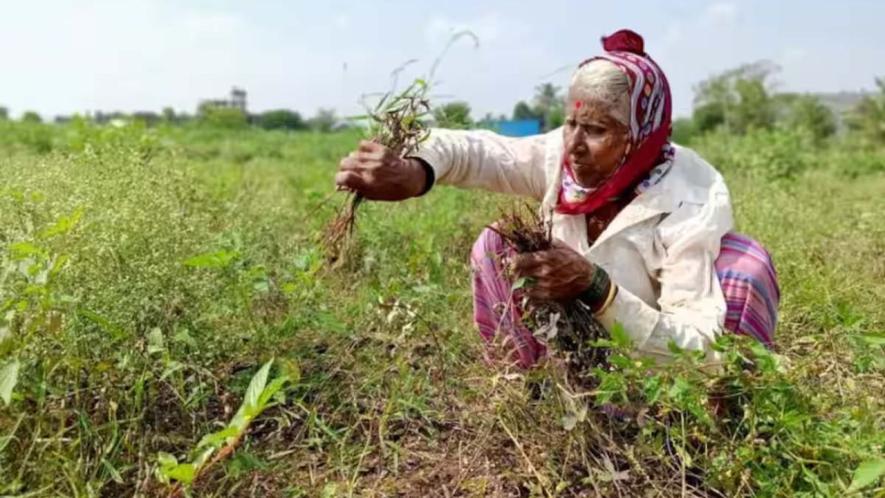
(649, 154)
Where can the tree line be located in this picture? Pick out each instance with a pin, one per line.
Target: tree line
(736, 101)
(207, 115)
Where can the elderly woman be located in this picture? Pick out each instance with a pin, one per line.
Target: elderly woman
(643, 226)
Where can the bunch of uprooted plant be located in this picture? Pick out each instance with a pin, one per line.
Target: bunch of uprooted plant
(567, 326)
(397, 121)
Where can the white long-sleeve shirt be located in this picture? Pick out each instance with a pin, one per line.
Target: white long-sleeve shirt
(659, 250)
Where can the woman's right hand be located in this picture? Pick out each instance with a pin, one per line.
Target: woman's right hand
(377, 173)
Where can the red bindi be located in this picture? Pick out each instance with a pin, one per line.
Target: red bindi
(578, 104)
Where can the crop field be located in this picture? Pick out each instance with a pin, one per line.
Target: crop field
(147, 274)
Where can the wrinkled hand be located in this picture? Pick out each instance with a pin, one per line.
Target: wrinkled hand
(557, 274)
(379, 174)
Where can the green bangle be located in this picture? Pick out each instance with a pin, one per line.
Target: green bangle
(595, 294)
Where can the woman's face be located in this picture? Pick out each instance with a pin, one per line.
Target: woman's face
(595, 142)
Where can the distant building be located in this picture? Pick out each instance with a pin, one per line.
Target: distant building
(237, 100)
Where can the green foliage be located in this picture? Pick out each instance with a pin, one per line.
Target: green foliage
(547, 107)
(225, 118)
(281, 119)
(454, 115)
(219, 259)
(169, 115)
(745, 424)
(34, 137)
(145, 273)
(4, 113)
(867, 473)
(8, 379)
(684, 131)
(555, 118)
(769, 154)
(808, 113)
(786, 153)
(256, 400)
(738, 100)
(524, 111)
(145, 118)
(323, 121)
(708, 117)
(755, 108)
(31, 117)
(867, 119)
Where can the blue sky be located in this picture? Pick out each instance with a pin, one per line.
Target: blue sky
(80, 56)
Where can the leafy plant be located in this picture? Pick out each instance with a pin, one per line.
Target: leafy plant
(866, 474)
(29, 304)
(219, 445)
(8, 379)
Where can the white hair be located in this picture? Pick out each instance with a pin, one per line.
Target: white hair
(601, 80)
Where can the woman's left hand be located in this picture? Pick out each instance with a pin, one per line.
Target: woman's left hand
(557, 274)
